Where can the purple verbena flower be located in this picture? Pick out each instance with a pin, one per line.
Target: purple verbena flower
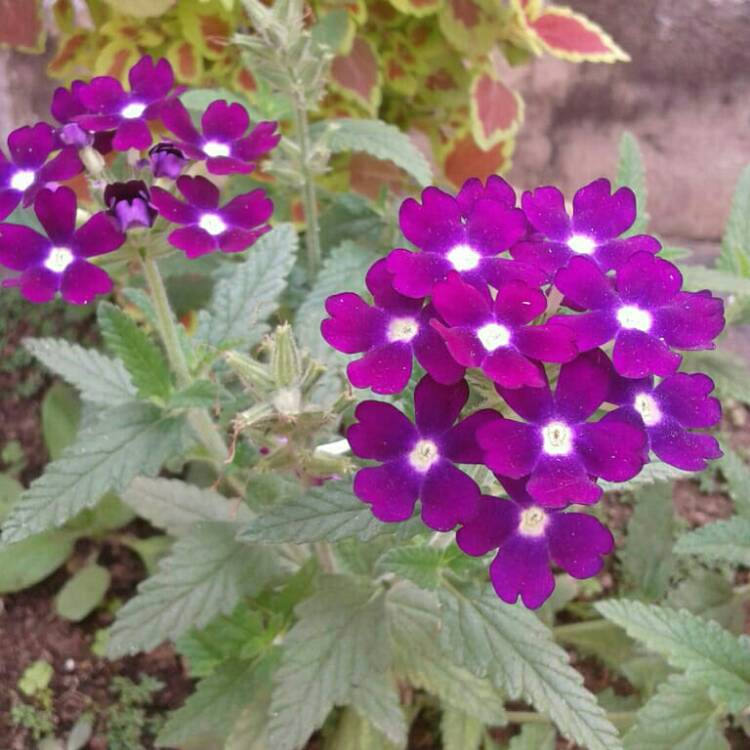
(495, 335)
(528, 538)
(224, 143)
(669, 412)
(109, 107)
(419, 460)
(644, 312)
(389, 332)
(166, 160)
(599, 218)
(209, 227)
(463, 234)
(561, 451)
(28, 169)
(59, 261)
(129, 204)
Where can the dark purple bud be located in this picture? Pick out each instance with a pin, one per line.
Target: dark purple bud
(166, 160)
(129, 203)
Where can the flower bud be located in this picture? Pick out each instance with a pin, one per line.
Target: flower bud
(253, 374)
(166, 160)
(286, 361)
(92, 160)
(129, 204)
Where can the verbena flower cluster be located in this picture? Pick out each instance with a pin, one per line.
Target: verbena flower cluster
(578, 330)
(157, 138)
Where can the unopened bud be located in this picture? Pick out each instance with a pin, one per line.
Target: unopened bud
(286, 361)
(252, 416)
(312, 374)
(93, 161)
(253, 374)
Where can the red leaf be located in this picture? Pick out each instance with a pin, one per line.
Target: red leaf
(496, 110)
(356, 74)
(21, 25)
(369, 176)
(572, 36)
(465, 159)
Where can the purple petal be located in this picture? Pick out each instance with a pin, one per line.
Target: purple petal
(558, 481)
(501, 271)
(437, 406)
(381, 433)
(648, 281)
(449, 497)
(462, 344)
(685, 450)
(66, 104)
(496, 188)
(433, 354)
(490, 528)
(172, 209)
(83, 281)
(461, 304)
(224, 122)
(532, 404)
(102, 95)
(685, 397)
(548, 343)
(576, 543)
(586, 284)
(38, 284)
(64, 166)
(601, 215)
(30, 146)
(511, 369)
(132, 134)
(546, 255)
(637, 354)
(379, 281)
(199, 192)
(221, 165)
(460, 443)
(583, 385)
(193, 241)
(692, 321)
(391, 490)
(518, 303)
(354, 326)
(614, 253)
(545, 210)
(236, 240)
(9, 200)
(511, 448)
(612, 448)
(248, 210)
(493, 227)
(435, 225)
(415, 274)
(101, 124)
(56, 211)
(99, 235)
(521, 568)
(385, 369)
(262, 139)
(589, 329)
(151, 81)
(21, 247)
(177, 120)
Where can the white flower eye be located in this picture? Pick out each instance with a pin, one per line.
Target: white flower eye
(463, 257)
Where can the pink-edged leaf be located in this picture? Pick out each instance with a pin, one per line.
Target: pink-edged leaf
(21, 26)
(185, 60)
(469, 26)
(356, 75)
(496, 110)
(571, 36)
(463, 158)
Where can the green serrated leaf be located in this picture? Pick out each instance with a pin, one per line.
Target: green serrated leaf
(27, 562)
(200, 394)
(647, 560)
(250, 730)
(715, 279)
(328, 513)
(205, 574)
(176, 506)
(420, 565)
(534, 737)
(381, 140)
(355, 732)
(61, 415)
(460, 731)
(142, 358)
(377, 700)
(728, 372)
(325, 657)
(599, 637)
(711, 595)
(245, 297)
(735, 245)
(708, 653)
(99, 379)
(133, 439)
(724, 541)
(10, 491)
(737, 473)
(82, 592)
(631, 173)
(512, 647)
(680, 716)
(655, 471)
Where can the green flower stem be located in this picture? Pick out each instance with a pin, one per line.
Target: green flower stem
(621, 719)
(324, 553)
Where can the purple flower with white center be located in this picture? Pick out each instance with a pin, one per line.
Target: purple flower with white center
(389, 332)
(28, 170)
(208, 227)
(418, 461)
(644, 312)
(59, 262)
(599, 218)
(669, 412)
(495, 335)
(561, 451)
(224, 143)
(109, 107)
(129, 204)
(528, 538)
(463, 234)
(166, 160)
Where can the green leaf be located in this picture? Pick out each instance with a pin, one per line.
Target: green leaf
(707, 652)
(355, 732)
(534, 737)
(10, 491)
(343, 270)
(200, 394)
(206, 574)
(510, 646)
(250, 730)
(673, 254)
(249, 292)
(378, 701)
(421, 565)
(737, 473)
(460, 731)
(655, 471)
(131, 440)
(144, 361)
(728, 372)
(381, 140)
(711, 595)
(328, 513)
(339, 641)
(27, 562)
(735, 245)
(718, 281)
(99, 379)
(631, 173)
(724, 541)
(680, 716)
(82, 593)
(599, 637)
(176, 506)
(647, 560)
(61, 414)
(218, 701)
